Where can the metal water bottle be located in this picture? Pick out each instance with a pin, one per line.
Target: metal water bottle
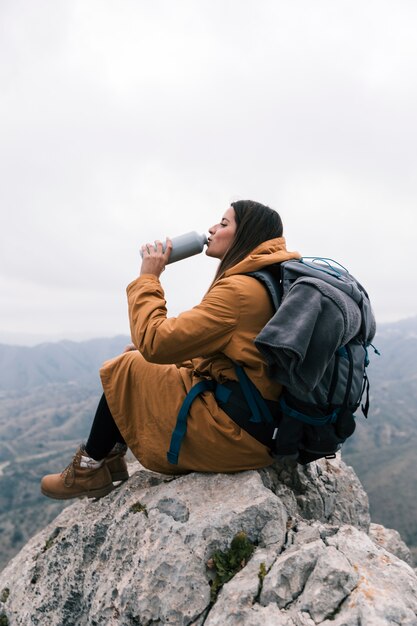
(186, 245)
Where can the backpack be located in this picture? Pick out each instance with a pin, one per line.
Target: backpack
(316, 345)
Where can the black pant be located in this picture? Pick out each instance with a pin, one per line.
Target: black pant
(104, 433)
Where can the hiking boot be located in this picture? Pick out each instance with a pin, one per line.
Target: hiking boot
(83, 477)
(116, 463)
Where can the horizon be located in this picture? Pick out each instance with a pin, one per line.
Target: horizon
(32, 340)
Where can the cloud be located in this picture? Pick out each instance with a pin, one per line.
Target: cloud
(127, 122)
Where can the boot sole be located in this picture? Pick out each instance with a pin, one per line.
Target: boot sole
(94, 493)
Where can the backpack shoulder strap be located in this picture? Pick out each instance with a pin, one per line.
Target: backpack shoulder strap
(270, 277)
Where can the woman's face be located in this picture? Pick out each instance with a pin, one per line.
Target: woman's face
(222, 235)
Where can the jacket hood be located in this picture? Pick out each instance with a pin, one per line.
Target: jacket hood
(267, 253)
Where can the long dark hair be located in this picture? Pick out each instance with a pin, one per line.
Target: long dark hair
(255, 223)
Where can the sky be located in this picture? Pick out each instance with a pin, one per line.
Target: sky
(124, 122)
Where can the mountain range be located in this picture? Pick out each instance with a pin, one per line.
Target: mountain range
(383, 449)
(23, 368)
(48, 394)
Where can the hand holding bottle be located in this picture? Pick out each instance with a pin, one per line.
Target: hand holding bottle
(181, 247)
(155, 256)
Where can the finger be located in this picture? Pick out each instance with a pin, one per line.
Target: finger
(168, 249)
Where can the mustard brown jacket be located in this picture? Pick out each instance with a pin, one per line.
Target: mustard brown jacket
(145, 388)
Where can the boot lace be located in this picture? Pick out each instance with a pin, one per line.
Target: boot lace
(68, 474)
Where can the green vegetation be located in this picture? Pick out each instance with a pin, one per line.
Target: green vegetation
(228, 563)
(49, 542)
(262, 573)
(4, 594)
(138, 507)
(261, 576)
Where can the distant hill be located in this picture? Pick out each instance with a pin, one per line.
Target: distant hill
(48, 395)
(384, 448)
(65, 361)
(40, 429)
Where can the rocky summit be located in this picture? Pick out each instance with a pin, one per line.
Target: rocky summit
(282, 546)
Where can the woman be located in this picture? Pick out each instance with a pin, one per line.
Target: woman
(146, 388)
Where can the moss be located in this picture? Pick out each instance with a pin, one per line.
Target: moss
(138, 507)
(49, 542)
(4, 594)
(262, 573)
(228, 563)
(4, 620)
(261, 576)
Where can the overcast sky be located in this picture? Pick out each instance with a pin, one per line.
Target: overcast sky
(122, 122)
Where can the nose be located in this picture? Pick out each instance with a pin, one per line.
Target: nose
(212, 229)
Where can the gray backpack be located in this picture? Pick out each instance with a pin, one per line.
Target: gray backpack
(316, 345)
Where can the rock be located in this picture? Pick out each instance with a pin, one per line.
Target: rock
(328, 491)
(340, 579)
(141, 555)
(390, 539)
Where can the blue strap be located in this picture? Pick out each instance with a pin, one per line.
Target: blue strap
(181, 425)
(258, 406)
(222, 393)
(318, 420)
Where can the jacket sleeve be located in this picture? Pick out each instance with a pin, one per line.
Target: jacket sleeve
(201, 331)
